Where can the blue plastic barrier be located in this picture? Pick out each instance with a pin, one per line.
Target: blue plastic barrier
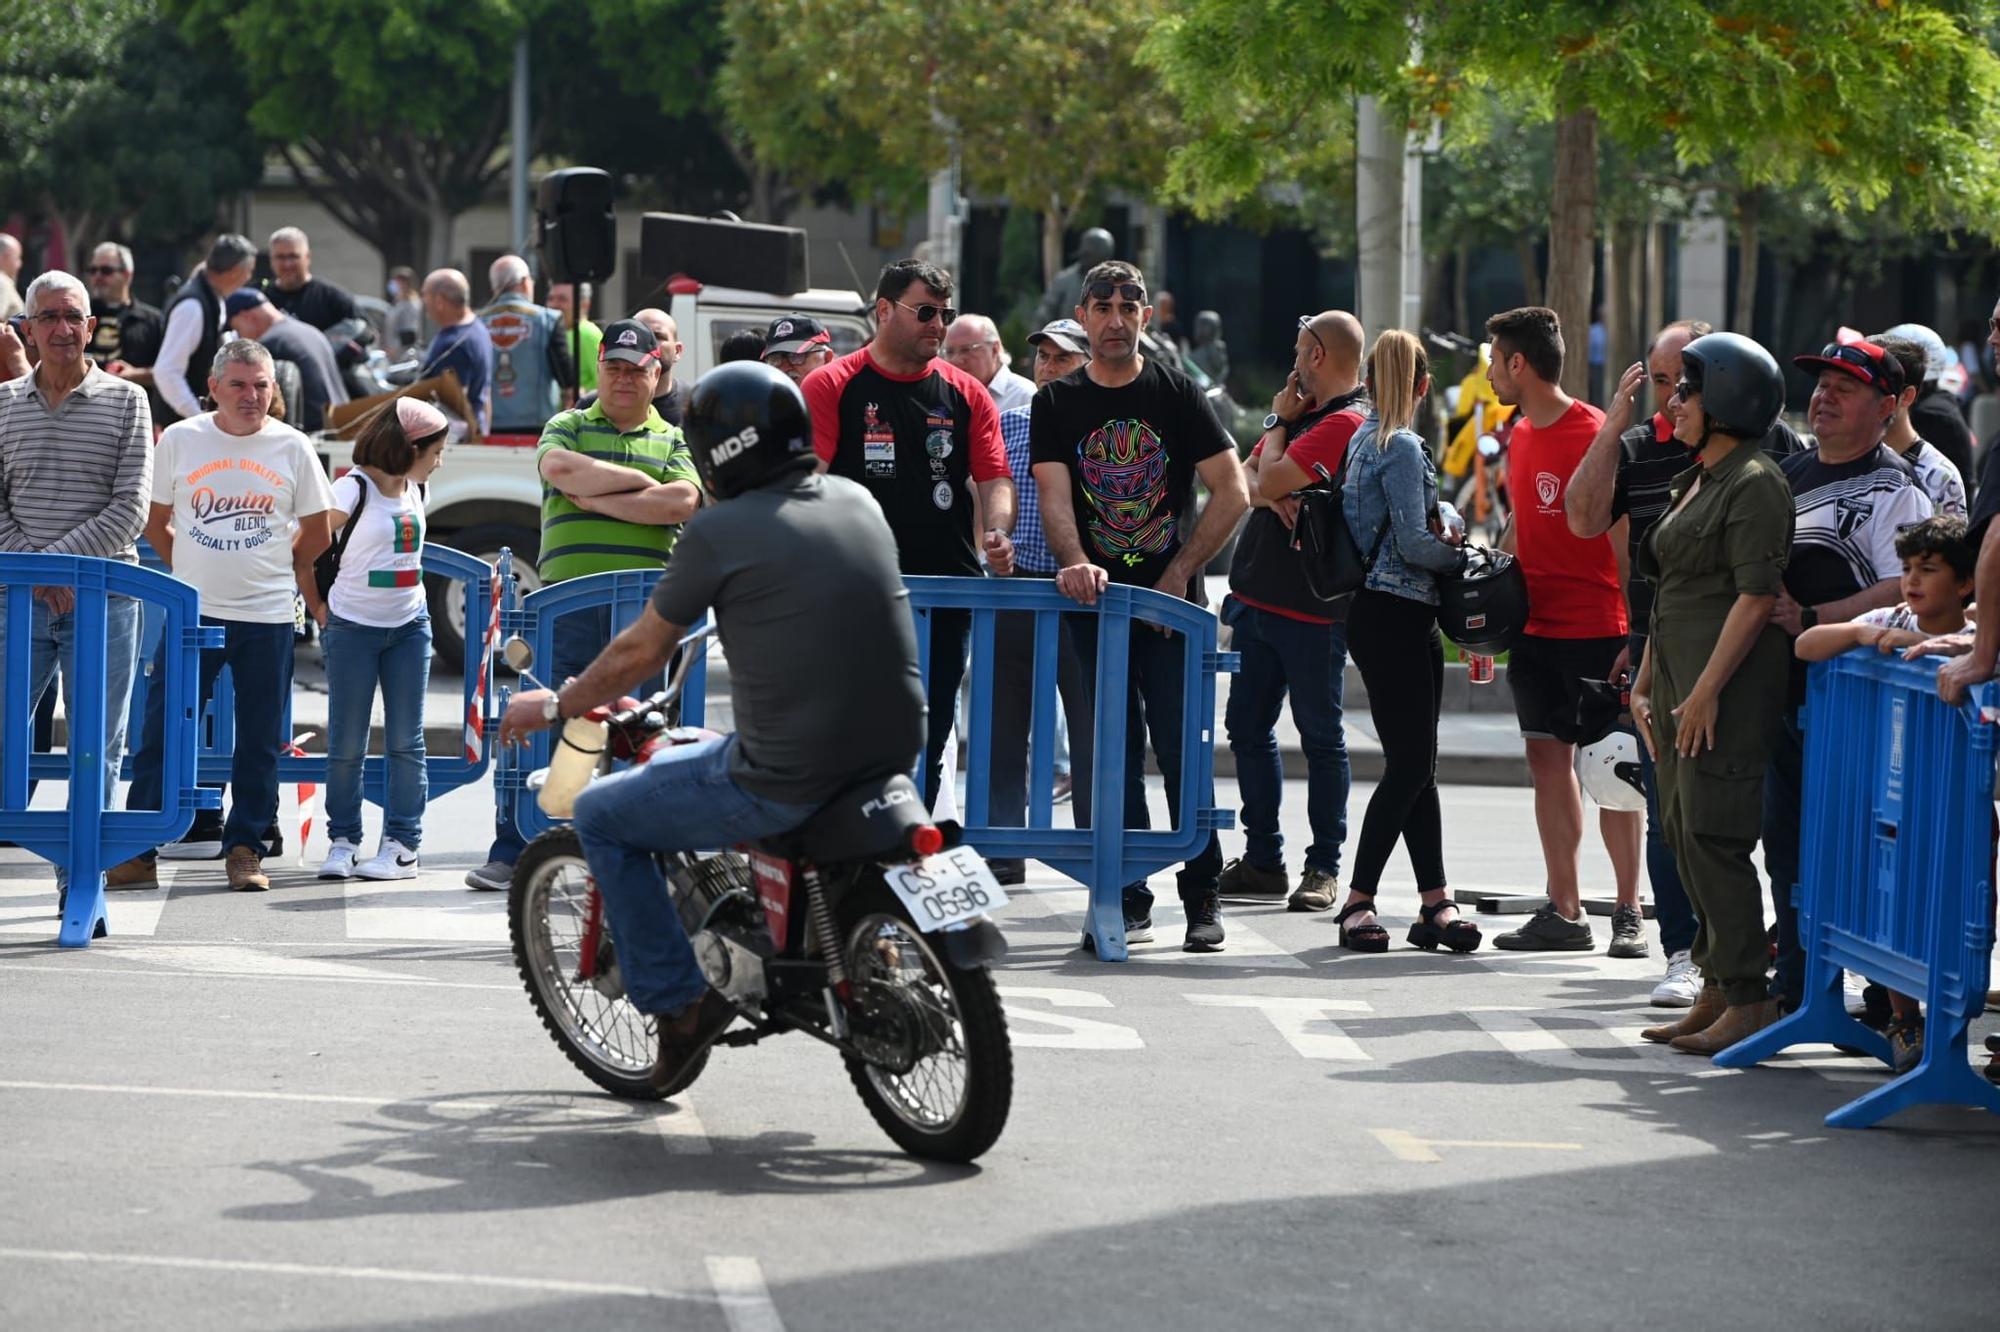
(86, 838)
(447, 772)
(1896, 874)
(1104, 857)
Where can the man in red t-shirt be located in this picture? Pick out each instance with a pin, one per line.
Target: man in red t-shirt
(920, 434)
(1289, 640)
(1576, 629)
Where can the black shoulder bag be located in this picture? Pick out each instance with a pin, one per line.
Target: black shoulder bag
(1332, 560)
(327, 567)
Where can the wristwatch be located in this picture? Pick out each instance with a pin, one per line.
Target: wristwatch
(1275, 421)
(552, 708)
(1808, 617)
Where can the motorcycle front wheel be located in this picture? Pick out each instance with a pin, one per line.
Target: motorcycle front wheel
(936, 1069)
(593, 1023)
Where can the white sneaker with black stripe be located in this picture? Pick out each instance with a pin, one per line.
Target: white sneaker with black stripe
(340, 861)
(393, 861)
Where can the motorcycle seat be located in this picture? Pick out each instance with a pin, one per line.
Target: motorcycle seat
(868, 820)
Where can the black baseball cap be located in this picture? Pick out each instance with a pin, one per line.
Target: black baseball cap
(630, 341)
(795, 333)
(243, 298)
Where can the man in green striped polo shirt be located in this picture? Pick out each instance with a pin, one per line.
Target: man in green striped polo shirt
(617, 483)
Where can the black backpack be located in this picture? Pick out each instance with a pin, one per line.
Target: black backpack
(327, 567)
(1333, 563)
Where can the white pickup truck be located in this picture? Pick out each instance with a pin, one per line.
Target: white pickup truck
(488, 496)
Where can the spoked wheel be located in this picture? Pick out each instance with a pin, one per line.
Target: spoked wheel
(548, 915)
(936, 1069)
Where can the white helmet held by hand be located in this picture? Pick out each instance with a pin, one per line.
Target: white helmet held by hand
(1609, 771)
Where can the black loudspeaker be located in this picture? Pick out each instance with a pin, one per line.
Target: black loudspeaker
(720, 253)
(575, 228)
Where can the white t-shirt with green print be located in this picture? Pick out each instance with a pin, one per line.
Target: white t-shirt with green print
(381, 581)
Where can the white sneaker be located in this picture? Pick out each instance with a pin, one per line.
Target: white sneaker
(393, 861)
(1852, 987)
(1681, 986)
(339, 862)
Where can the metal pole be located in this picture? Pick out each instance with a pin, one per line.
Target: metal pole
(517, 186)
(1381, 203)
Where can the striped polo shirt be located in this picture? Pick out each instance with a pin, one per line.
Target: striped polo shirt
(575, 542)
(76, 480)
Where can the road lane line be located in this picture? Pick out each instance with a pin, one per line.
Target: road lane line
(1421, 1151)
(250, 1267)
(746, 1302)
(681, 1130)
(1302, 1022)
(94, 969)
(570, 1109)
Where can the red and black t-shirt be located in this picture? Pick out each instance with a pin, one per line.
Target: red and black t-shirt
(912, 440)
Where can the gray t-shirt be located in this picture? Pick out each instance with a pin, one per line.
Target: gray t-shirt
(812, 611)
(297, 341)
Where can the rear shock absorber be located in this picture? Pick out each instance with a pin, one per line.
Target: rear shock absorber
(826, 938)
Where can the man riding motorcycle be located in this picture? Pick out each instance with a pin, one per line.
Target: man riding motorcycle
(800, 570)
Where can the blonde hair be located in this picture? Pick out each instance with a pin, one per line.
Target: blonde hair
(1397, 368)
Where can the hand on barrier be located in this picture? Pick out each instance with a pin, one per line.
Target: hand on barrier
(1082, 583)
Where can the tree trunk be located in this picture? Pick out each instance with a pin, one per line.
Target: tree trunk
(1743, 311)
(1461, 290)
(1656, 277)
(1572, 240)
(1055, 221)
(438, 219)
(1531, 272)
(1616, 314)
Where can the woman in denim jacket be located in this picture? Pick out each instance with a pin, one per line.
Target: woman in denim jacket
(1390, 500)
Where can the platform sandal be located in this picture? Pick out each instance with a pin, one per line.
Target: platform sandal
(1371, 938)
(1460, 936)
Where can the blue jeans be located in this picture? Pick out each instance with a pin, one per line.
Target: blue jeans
(1308, 661)
(52, 646)
(683, 800)
(579, 637)
(1670, 899)
(1784, 795)
(1155, 694)
(358, 658)
(259, 658)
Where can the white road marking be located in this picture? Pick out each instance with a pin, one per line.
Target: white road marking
(566, 1108)
(1077, 1033)
(1243, 945)
(95, 969)
(1302, 1022)
(681, 1129)
(1421, 1151)
(1515, 1030)
(28, 907)
(435, 907)
(746, 1302)
(545, 1284)
(239, 960)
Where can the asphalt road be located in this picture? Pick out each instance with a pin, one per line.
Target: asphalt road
(331, 1107)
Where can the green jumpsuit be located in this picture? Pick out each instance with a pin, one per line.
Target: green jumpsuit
(1731, 539)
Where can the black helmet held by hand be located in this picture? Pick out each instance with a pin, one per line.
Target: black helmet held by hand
(746, 424)
(1742, 389)
(1484, 606)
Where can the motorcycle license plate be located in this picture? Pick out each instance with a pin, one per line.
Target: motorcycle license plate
(948, 888)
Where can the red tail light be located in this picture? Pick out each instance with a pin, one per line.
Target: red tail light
(926, 840)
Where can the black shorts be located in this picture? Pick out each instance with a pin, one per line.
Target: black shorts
(1547, 675)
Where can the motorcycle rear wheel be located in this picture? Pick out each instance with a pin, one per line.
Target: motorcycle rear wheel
(592, 1022)
(952, 1102)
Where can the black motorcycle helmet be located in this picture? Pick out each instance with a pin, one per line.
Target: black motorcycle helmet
(1484, 608)
(746, 424)
(1742, 390)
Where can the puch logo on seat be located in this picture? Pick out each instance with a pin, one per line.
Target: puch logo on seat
(734, 445)
(887, 801)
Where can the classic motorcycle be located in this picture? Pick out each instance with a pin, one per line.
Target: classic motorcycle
(868, 928)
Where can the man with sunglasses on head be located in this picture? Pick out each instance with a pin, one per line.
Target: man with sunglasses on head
(1117, 446)
(918, 432)
(1852, 495)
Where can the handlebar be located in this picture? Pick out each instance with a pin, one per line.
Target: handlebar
(693, 647)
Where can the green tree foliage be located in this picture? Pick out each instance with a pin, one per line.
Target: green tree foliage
(110, 122)
(1045, 104)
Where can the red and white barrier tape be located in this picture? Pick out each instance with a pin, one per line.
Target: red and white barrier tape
(308, 795)
(475, 710)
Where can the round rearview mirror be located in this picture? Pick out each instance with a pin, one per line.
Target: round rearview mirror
(517, 654)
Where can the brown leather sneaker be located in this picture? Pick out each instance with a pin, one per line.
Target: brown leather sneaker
(1708, 1006)
(685, 1036)
(246, 874)
(138, 872)
(1737, 1022)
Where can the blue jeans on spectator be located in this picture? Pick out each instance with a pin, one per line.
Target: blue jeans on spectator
(52, 646)
(1670, 900)
(1155, 694)
(579, 637)
(1308, 661)
(259, 658)
(683, 800)
(358, 658)
(1784, 793)
(1013, 715)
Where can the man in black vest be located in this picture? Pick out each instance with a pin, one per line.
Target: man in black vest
(1291, 642)
(194, 324)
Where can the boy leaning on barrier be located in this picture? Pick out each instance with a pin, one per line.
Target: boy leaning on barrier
(1937, 586)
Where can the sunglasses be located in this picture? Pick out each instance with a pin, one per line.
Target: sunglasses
(103, 270)
(1879, 376)
(1104, 291)
(926, 313)
(1306, 323)
(1686, 389)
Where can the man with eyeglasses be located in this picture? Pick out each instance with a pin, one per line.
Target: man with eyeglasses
(76, 472)
(1117, 447)
(797, 345)
(195, 324)
(1852, 494)
(127, 340)
(919, 432)
(973, 345)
